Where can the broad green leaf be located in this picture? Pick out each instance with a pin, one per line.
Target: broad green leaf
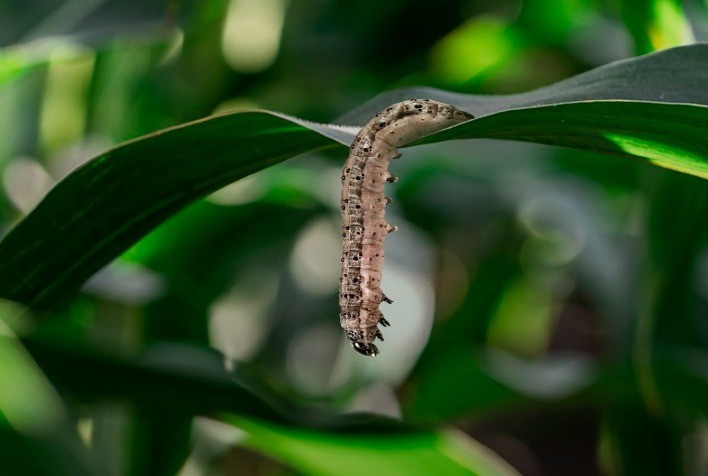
(446, 452)
(668, 135)
(628, 108)
(104, 206)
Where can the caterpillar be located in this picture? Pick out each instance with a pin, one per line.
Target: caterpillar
(362, 206)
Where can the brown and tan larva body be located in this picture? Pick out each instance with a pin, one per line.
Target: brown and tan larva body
(362, 204)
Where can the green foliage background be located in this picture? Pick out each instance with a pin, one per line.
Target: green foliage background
(550, 273)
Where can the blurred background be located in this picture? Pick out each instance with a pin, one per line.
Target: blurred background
(529, 282)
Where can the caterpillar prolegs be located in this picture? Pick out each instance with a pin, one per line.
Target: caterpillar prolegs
(362, 204)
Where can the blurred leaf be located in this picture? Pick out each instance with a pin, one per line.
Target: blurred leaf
(680, 373)
(19, 111)
(92, 20)
(463, 388)
(109, 203)
(469, 324)
(446, 451)
(475, 383)
(668, 315)
(27, 401)
(214, 241)
(481, 44)
(36, 434)
(184, 378)
(173, 376)
(656, 24)
(159, 440)
(641, 443)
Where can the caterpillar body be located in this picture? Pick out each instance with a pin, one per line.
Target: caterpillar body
(362, 205)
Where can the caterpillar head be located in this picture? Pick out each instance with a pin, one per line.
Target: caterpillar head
(370, 350)
(361, 341)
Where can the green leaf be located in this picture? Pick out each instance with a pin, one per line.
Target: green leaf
(446, 452)
(108, 204)
(656, 24)
(188, 379)
(464, 388)
(173, 376)
(159, 440)
(668, 135)
(33, 419)
(681, 376)
(677, 75)
(639, 442)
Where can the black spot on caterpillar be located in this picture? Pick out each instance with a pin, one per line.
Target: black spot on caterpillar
(362, 204)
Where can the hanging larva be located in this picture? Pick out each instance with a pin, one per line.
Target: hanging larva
(362, 204)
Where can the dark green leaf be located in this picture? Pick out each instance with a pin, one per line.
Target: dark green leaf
(174, 376)
(106, 205)
(109, 203)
